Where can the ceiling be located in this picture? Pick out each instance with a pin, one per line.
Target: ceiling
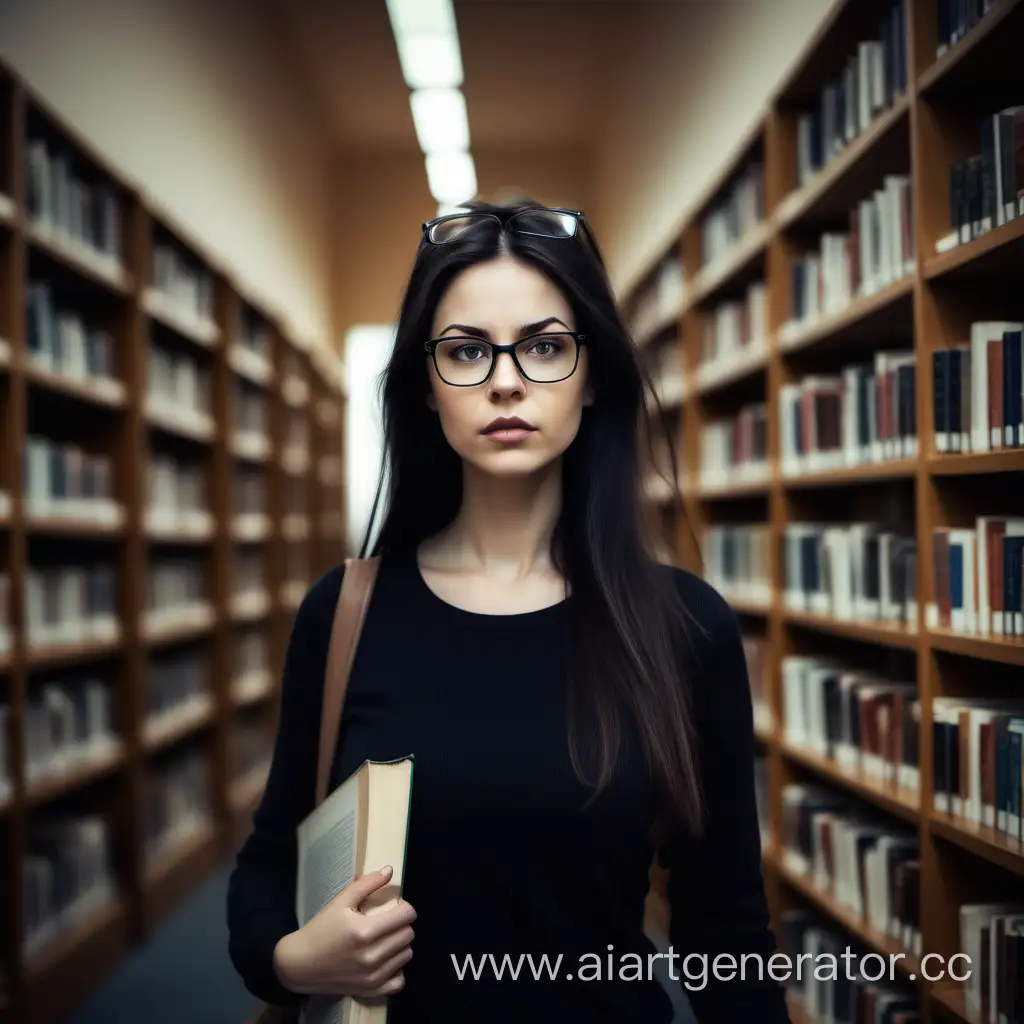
(536, 71)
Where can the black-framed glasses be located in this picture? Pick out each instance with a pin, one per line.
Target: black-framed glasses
(539, 221)
(542, 358)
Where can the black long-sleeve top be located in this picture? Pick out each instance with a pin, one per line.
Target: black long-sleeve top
(503, 859)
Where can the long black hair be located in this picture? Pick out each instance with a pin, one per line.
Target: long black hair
(628, 623)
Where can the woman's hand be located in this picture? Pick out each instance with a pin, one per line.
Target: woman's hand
(345, 952)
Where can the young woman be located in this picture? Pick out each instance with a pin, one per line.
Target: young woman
(571, 703)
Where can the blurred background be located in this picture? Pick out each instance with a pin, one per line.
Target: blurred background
(811, 212)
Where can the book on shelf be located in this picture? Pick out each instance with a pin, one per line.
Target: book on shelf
(67, 875)
(876, 251)
(955, 18)
(735, 450)
(360, 826)
(68, 724)
(737, 561)
(756, 655)
(992, 936)
(64, 480)
(176, 592)
(668, 376)
(68, 202)
(978, 578)
(734, 332)
(63, 342)
(978, 389)
(976, 767)
(180, 384)
(177, 801)
(857, 572)
(840, 994)
(857, 719)
(71, 604)
(177, 498)
(868, 865)
(986, 189)
(182, 288)
(6, 609)
(6, 774)
(738, 212)
(658, 303)
(176, 681)
(871, 80)
(865, 415)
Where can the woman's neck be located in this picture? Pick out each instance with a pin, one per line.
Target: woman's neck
(504, 526)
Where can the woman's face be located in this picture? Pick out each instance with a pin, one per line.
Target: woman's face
(503, 301)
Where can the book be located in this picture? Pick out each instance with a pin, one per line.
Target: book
(359, 827)
(656, 303)
(736, 561)
(735, 449)
(739, 211)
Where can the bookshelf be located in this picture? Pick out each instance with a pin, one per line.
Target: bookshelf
(924, 301)
(162, 511)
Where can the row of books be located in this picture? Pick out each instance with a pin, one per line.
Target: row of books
(295, 381)
(978, 390)
(177, 678)
(247, 574)
(64, 480)
(955, 18)
(986, 190)
(254, 334)
(876, 251)
(740, 210)
(61, 340)
(179, 383)
(733, 330)
(177, 496)
(71, 604)
(250, 491)
(735, 450)
(68, 723)
(182, 281)
(69, 202)
(977, 761)
(177, 801)
(858, 719)
(249, 409)
(296, 432)
(251, 654)
(175, 585)
(866, 414)
(67, 874)
(978, 578)
(841, 996)
(992, 936)
(737, 561)
(866, 863)
(872, 79)
(854, 572)
(658, 301)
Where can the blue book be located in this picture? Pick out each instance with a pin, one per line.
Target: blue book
(956, 578)
(1013, 567)
(1013, 388)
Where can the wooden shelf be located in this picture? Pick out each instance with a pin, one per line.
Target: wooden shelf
(889, 798)
(997, 252)
(897, 469)
(986, 843)
(723, 271)
(120, 418)
(950, 1001)
(866, 632)
(1005, 460)
(908, 964)
(1006, 650)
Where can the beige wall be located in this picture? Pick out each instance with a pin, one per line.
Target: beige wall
(383, 199)
(692, 78)
(194, 100)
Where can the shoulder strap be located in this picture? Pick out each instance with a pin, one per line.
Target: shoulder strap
(356, 587)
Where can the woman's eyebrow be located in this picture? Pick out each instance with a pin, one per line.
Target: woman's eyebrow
(479, 332)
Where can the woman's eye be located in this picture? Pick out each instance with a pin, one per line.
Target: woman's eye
(468, 353)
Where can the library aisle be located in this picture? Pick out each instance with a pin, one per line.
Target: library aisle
(170, 485)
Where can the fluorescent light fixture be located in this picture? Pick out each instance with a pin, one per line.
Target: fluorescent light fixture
(451, 177)
(443, 209)
(430, 60)
(434, 17)
(440, 119)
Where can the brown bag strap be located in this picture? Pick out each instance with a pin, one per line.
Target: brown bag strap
(349, 613)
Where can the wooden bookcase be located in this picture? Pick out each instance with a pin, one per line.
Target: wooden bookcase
(300, 535)
(935, 123)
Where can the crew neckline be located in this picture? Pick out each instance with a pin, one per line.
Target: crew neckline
(411, 559)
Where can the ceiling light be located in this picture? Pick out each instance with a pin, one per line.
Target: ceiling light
(430, 60)
(408, 17)
(440, 119)
(451, 177)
